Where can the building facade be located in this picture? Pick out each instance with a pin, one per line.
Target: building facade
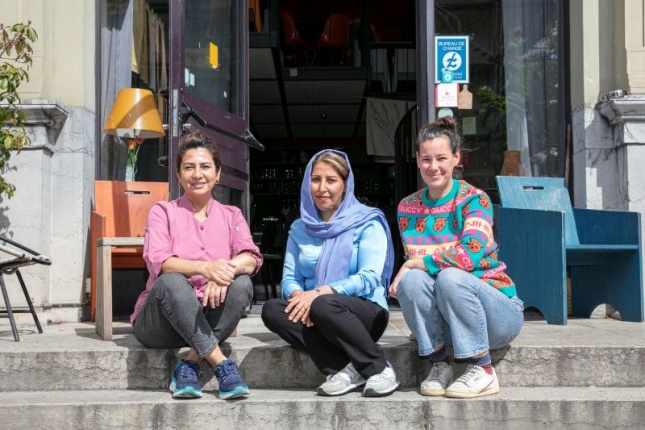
(69, 93)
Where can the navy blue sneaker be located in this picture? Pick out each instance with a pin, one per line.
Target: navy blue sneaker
(185, 380)
(231, 384)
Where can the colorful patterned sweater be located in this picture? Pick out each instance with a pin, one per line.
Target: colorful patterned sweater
(454, 231)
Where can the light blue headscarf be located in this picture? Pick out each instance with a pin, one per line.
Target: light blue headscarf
(334, 259)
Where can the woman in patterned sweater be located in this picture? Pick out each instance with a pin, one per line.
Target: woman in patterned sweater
(453, 290)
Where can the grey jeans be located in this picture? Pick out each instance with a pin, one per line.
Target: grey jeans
(173, 317)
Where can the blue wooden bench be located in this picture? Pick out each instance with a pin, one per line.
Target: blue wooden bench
(541, 236)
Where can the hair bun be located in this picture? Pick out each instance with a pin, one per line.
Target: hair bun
(446, 122)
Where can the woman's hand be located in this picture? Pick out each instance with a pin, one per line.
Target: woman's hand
(395, 282)
(221, 271)
(214, 294)
(417, 263)
(299, 306)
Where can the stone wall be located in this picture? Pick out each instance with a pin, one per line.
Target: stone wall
(50, 209)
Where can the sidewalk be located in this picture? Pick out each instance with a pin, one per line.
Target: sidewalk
(596, 331)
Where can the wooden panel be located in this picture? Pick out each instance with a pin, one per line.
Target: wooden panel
(121, 212)
(536, 243)
(104, 293)
(547, 194)
(531, 244)
(125, 205)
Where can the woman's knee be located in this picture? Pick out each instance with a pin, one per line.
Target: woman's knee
(172, 284)
(450, 277)
(322, 306)
(243, 281)
(241, 288)
(271, 310)
(414, 281)
(453, 284)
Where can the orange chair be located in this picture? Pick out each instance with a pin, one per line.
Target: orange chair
(335, 37)
(255, 15)
(292, 40)
(117, 230)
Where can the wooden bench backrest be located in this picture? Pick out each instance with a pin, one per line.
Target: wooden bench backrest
(125, 205)
(121, 210)
(550, 194)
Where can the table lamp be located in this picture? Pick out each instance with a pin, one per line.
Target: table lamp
(134, 116)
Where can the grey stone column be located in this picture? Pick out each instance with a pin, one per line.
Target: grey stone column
(50, 209)
(625, 117)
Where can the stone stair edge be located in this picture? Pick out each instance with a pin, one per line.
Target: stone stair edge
(535, 408)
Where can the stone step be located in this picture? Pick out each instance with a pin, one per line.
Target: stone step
(585, 353)
(513, 408)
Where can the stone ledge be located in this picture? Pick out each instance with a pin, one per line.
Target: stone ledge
(513, 408)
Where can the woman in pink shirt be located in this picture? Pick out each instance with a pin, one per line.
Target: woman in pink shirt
(200, 255)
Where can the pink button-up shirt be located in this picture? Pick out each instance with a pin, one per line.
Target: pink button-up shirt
(173, 231)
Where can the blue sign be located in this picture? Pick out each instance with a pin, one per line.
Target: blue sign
(451, 59)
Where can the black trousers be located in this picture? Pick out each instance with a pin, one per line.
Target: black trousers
(345, 329)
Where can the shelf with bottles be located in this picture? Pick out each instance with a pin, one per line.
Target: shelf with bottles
(276, 171)
(373, 179)
(276, 187)
(283, 208)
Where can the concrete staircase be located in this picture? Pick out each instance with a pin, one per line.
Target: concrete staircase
(585, 375)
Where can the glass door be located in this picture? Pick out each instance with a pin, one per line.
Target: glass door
(208, 86)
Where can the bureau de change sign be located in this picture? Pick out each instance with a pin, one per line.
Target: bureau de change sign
(451, 59)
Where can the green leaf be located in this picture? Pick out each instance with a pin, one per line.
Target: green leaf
(16, 58)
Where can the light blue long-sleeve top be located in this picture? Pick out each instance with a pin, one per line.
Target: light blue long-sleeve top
(365, 268)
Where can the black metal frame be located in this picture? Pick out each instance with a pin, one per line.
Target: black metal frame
(11, 267)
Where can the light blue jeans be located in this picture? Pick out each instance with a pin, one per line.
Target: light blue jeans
(459, 309)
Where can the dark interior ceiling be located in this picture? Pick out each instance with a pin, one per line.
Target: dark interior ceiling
(314, 101)
(305, 103)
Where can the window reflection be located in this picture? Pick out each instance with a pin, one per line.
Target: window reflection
(212, 66)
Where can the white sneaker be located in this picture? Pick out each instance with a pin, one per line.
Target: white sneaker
(381, 384)
(342, 382)
(438, 379)
(475, 382)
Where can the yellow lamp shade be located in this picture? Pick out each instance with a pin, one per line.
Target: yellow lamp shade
(134, 115)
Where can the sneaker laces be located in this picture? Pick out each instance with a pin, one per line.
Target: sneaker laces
(384, 375)
(435, 372)
(227, 367)
(473, 372)
(188, 371)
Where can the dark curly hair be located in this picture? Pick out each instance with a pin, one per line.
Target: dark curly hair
(197, 139)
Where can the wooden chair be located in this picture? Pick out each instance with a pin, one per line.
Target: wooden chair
(117, 230)
(541, 236)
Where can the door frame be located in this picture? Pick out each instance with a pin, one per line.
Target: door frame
(235, 166)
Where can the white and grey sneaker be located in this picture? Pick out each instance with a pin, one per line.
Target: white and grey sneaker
(438, 379)
(381, 384)
(343, 382)
(475, 382)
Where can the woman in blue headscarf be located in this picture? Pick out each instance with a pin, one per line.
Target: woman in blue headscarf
(337, 269)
